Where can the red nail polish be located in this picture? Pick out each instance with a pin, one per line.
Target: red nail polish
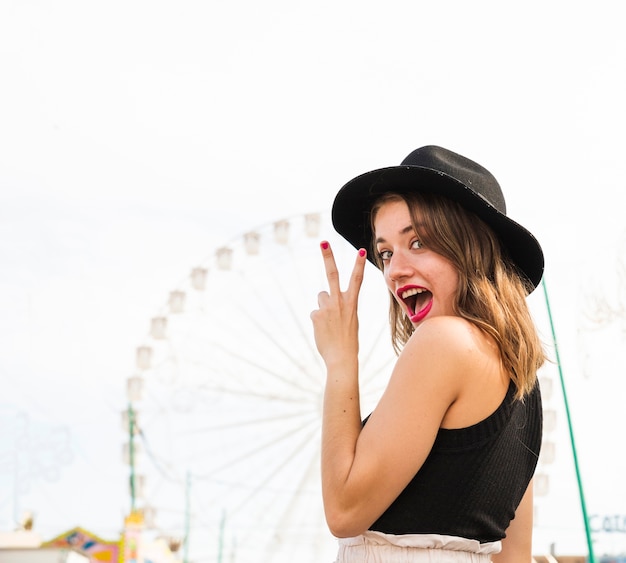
(324, 245)
(362, 252)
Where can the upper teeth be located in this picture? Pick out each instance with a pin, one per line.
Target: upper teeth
(412, 291)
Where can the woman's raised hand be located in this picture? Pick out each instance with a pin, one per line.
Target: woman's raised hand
(335, 323)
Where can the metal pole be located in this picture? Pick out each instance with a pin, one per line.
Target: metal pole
(131, 453)
(583, 505)
(220, 551)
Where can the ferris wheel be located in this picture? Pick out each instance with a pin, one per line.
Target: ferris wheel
(229, 414)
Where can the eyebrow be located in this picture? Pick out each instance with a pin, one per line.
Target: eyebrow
(404, 231)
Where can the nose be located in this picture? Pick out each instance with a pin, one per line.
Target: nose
(399, 267)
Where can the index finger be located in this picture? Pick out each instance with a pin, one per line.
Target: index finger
(332, 274)
(356, 278)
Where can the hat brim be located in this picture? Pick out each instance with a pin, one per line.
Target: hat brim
(352, 205)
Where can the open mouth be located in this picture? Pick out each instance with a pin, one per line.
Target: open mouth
(416, 299)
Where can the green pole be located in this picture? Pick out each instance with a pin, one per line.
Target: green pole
(581, 493)
(131, 455)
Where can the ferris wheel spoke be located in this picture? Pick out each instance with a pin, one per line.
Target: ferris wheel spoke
(236, 380)
(308, 502)
(164, 468)
(371, 351)
(274, 375)
(250, 393)
(300, 365)
(309, 481)
(372, 383)
(254, 422)
(274, 472)
(245, 453)
(280, 340)
(297, 318)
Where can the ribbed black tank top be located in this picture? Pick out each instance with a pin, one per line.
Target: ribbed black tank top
(474, 478)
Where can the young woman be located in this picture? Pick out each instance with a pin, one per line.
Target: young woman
(442, 468)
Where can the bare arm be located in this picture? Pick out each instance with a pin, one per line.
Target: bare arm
(517, 546)
(365, 469)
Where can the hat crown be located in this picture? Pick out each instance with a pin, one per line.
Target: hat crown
(469, 173)
(435, 170)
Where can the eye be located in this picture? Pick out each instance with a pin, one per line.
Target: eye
(416, 244)
(385, 255)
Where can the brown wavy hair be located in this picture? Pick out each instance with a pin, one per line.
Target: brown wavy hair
(492, 291)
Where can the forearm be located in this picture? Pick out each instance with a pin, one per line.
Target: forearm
(341, 426)
(335, 326)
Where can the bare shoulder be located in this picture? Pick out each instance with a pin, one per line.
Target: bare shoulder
(469, 363)
(435, 358)
(446, 338)
(464, 363)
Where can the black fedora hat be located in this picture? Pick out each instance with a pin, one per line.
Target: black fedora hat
(433, 169)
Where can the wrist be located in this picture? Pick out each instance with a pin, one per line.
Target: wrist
(342, 369)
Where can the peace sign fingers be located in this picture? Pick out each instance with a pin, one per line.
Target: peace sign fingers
(332, 274)
(336, 321)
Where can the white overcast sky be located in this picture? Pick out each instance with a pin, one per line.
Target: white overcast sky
(138, 136)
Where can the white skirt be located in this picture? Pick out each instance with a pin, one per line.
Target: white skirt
(376, 547)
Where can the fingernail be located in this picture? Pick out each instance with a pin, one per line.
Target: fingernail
(362, 252)
(324, 245)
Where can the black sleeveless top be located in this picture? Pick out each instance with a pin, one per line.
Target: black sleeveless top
(474, 478)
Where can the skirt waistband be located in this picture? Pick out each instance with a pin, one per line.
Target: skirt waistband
(374, 547)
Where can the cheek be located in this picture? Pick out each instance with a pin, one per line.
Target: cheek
(453, 281)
